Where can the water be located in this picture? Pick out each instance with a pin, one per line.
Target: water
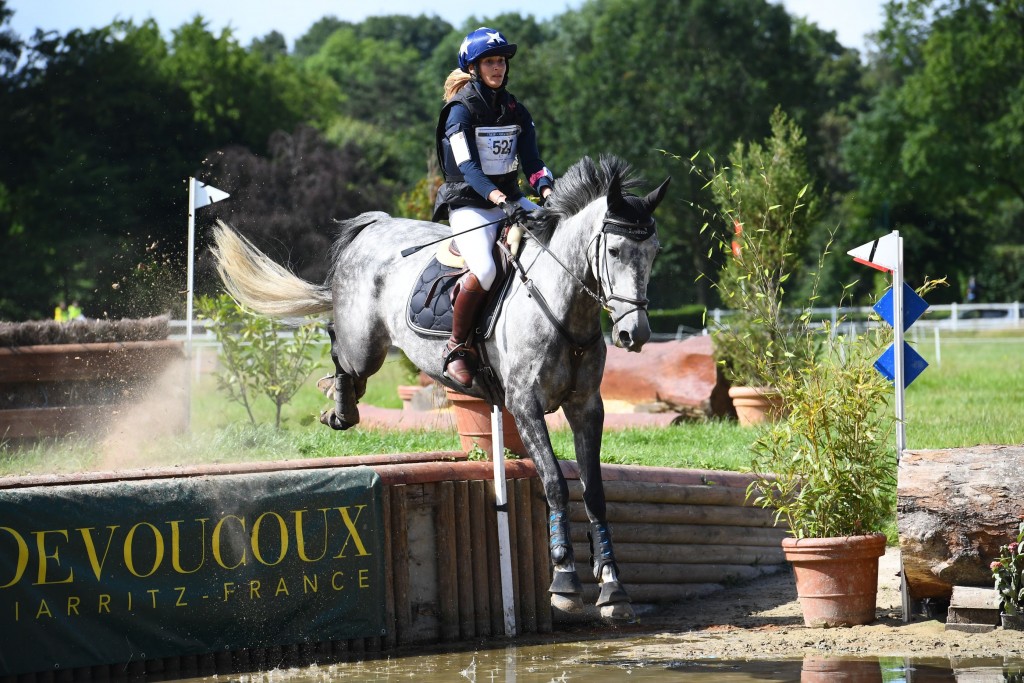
(602, 662)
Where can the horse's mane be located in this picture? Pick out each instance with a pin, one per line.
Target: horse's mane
(583, 182)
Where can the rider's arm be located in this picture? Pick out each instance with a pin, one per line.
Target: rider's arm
(536, 172)
(459, 131)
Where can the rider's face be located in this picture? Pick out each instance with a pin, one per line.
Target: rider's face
(492, 71)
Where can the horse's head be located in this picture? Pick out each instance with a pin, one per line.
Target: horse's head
(626, 247)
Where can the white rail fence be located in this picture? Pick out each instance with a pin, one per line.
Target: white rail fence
(937, 319)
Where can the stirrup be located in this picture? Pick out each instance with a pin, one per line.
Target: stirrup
(459, 351)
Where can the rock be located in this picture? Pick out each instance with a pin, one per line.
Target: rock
(682, 374)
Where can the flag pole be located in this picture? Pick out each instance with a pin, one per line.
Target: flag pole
(188, 302)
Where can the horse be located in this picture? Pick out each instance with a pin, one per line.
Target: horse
(591, 247)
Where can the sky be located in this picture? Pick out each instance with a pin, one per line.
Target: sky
(850, 19)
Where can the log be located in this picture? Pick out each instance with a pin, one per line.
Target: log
(652, 492)
(447, 569)
(682, 374)
(633, 573)
(632, 532)
(718, 515)
(955, 507)
(670, 553)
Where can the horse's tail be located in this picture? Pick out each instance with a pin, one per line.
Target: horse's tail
(258, 283)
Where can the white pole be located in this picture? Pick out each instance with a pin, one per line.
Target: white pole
(188, 302)
(938, 347)
(501, 503)
(897, 315)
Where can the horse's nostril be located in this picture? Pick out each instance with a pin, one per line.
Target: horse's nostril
(624, 339)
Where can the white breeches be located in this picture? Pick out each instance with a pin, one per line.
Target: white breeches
(475, 246)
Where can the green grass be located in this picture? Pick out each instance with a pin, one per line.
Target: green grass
(973, 397)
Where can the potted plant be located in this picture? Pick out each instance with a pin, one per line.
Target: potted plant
(827, 469)
(409, 380)
(763, 199)
(1008, 572)
(826, 464)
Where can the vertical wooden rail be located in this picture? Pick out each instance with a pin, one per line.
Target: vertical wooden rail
(513, 542)
(447, 571)
(493, 568)
(477, 513)
(524, 529)
(541, 556)
(464, 562)
(390, 639)
(400, 563)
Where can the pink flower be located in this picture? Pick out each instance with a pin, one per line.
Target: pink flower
(995, 565)
(1013, 547)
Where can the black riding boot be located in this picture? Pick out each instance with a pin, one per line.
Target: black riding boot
(460, 359)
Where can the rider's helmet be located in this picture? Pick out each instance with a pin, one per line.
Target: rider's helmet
(484, 42)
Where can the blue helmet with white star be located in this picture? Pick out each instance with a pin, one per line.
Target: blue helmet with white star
(484, 42)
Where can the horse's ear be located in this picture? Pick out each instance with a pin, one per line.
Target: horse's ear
(652, 200)
(615, 198)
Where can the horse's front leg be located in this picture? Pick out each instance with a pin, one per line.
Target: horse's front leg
(585, 414)
(566, 589)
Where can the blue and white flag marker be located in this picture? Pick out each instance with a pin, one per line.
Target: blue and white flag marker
(900, 364)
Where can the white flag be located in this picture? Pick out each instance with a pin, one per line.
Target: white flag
(204, 195)
(881, 254)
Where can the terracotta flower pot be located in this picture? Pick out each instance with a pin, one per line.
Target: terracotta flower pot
(836, 578)
(755, 405)
(1012, 622)
(473, 420)
(405, 393)
(817, 669)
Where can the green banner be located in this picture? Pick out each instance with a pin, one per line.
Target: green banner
(109, 573)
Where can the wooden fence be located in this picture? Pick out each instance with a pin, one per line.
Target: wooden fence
(678, 534)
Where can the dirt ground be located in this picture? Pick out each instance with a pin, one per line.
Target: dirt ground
(762, 619)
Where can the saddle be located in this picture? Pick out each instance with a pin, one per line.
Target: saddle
(430, 301)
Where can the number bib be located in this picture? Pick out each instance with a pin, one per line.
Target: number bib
(497, 148)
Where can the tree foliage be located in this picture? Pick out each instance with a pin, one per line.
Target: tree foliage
(99, 130)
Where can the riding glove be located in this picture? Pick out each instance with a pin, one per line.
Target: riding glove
(516, 214)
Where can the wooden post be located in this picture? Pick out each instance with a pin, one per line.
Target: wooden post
(447, 572)
(524, 532)
(390, 638)
(478, 520)
(464, 562)
(400, 562)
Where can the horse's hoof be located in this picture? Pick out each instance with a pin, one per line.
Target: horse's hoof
(569, 603)
(326, 386)
(331, 419)
(618, 613)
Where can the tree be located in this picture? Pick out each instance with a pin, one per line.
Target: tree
(940, 155)
(270, 47)
(632, 78)
(288, 201)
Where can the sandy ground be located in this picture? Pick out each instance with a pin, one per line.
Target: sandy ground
(762, 619)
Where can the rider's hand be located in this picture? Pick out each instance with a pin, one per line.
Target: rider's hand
(516, 214)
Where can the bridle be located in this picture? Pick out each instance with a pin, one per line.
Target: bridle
(638, 231)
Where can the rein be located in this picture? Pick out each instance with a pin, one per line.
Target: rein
(578, 349)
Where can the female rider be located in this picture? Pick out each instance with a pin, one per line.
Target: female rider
(483, 136)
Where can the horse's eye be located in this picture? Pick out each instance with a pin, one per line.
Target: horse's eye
(613, 251)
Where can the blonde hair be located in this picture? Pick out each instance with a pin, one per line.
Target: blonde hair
(455, 82)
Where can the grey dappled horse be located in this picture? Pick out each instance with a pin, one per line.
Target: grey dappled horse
(600, 245)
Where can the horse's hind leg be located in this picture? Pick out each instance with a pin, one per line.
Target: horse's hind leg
(342, 388)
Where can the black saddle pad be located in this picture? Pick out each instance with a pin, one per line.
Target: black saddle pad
(430, 302)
